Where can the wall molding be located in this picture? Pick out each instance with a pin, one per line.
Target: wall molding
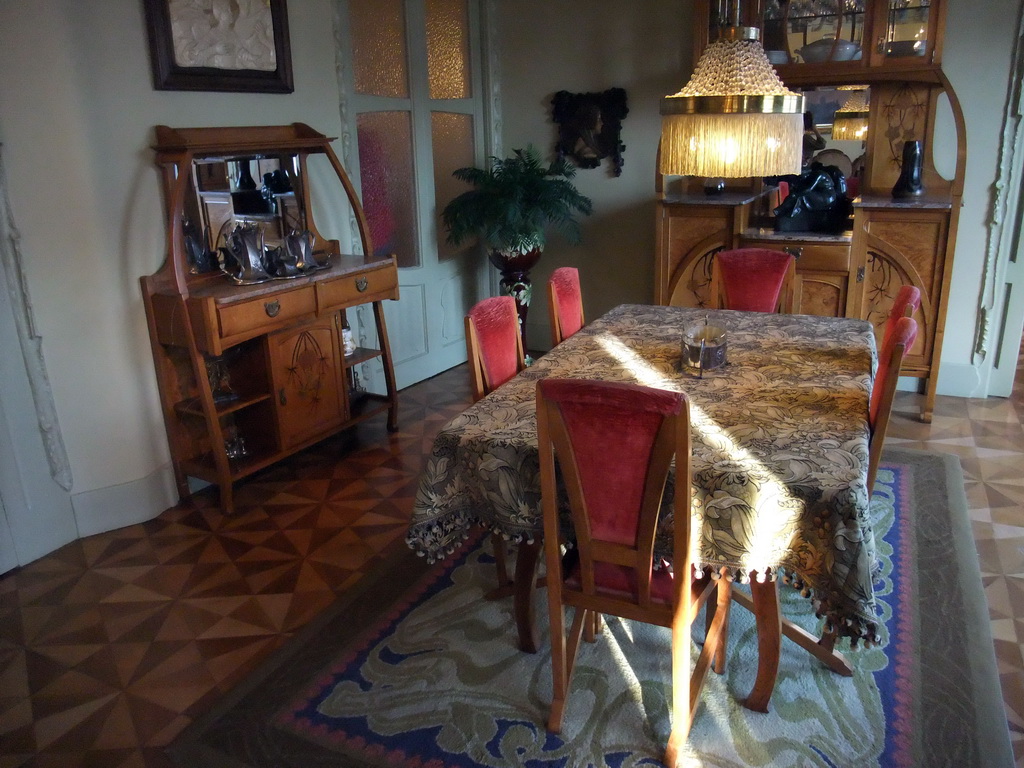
(31, 343)
(1003, 237)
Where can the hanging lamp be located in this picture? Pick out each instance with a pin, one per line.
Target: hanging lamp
(851, 119)
(734, 118)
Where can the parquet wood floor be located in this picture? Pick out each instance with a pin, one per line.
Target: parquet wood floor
(114, 643)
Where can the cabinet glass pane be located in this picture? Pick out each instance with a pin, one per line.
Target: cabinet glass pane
(906, 31)
(379, 55)
(813, 31)
(386, 176)
(448, 49)
(452, 137)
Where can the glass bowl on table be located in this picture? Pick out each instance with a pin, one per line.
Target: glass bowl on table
(704, 347)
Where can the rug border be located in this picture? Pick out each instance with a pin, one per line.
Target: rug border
(991, 724)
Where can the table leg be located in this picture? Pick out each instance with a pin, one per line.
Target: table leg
(769, 640)
(523, 604)
(822, 648)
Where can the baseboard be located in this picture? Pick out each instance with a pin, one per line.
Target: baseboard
(960, 380)
(116, 506)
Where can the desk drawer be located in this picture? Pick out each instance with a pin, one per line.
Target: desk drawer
(824, 258)
(263, 313)
(358, 288)
(816, 257)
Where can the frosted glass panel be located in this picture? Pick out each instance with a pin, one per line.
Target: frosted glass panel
(379, 56)
(386, 173)
(452, 136)
(448, 49)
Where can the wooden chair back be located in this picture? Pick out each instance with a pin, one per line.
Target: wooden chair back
(884, 389)
(494, 344)
(907, 302)
(615, 498)
(565, 304)
(754, 280)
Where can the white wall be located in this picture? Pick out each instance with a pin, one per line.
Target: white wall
(976, 58)
(553, 45)
(77, 110)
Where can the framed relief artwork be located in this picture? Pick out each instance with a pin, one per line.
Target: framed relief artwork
(219, 45)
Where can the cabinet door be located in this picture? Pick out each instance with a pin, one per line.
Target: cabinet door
(822, 293)
(688, 238)
(308, 396)
(900, 248)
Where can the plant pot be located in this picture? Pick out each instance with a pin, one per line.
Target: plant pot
(515, 280)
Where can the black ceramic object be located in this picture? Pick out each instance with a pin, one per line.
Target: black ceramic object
(909, 183)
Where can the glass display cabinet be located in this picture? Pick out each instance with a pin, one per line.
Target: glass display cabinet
(247, 318)
(840, 39)
(876, 64)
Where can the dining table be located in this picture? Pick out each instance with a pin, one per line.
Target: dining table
(780, 442)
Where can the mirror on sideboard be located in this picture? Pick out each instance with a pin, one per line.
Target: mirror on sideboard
(840, 118)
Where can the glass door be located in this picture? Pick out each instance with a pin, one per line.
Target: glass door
(415, 101)
(907, 29)
(813, 31)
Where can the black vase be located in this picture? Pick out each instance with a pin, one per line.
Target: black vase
(245, 179)
(909, 183)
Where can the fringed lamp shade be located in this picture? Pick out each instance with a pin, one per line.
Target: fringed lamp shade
(851, 119)
(734, 118)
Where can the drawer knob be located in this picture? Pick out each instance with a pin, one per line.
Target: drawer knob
(272, 308)
(362, 284)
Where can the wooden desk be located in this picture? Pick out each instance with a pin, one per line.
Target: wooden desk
(780, 454)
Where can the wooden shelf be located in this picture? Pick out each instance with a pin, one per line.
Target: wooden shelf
(361, 355)
(194, 406)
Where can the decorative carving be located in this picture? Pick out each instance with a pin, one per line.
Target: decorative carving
(219, 45)
(904, 113)
(308, 368)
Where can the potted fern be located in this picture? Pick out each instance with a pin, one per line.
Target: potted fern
(512, 203)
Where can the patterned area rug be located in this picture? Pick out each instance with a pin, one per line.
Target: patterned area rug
(415, 669)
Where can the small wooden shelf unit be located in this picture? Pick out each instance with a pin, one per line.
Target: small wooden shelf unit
(249, 374)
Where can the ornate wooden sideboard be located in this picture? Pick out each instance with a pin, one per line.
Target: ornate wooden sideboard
(891, 242)
(252, 369)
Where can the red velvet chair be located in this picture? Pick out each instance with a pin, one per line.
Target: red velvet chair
(907, 302)
(883, 390)
(565, 304)
(494, 344)
(495, 348)
(754, 280)
(615, 498)
(880, 406)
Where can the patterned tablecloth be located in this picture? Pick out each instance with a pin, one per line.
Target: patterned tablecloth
(780, 449)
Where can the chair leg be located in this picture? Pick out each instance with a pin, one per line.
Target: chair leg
(723, 603)
(564, 659)
(681, 712)
(592, 628)
(559, 670)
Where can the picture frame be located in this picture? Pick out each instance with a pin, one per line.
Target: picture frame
(220, 46)
(590, 126)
